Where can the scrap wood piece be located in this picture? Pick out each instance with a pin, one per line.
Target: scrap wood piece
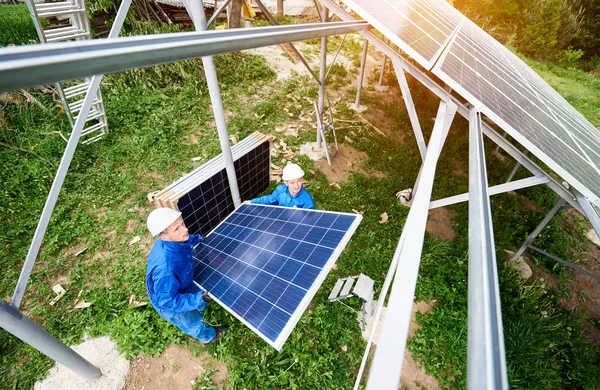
(81, 251)
(135, 303)
(358, 212)
(348, 139)
(196, 158)
(372, 125)
(152, 195)
(233, 139)
(59, 291)
(384, 218)
(81, 303)
(134, 240)
(273, 166)
(336, 185)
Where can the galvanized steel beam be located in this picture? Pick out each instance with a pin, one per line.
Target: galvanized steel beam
(486, 361)
(387, 363)
(27, 66)
(498, 189)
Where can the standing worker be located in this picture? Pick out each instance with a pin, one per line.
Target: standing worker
(290, 194)
(170, 274)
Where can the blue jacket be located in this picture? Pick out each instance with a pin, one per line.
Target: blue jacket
(170, 274)
(281, 196)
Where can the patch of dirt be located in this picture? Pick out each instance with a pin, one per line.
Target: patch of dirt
(440, 224)
(346, 161)
(527, 203)
(458, 169)
(413, 375)
(175, 368)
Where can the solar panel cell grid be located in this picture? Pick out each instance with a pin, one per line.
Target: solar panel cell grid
(264, 263)
(205, 206)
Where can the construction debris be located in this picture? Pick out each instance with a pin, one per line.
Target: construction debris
(405, 197)
(81, 251)
(134, 303)
(59, 291)
(81, 303)
(336, 185)
(384, 218)
(134, 240)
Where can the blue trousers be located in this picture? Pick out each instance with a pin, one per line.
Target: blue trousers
(192, 323)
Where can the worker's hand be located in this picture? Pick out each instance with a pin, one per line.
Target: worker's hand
(246, 202)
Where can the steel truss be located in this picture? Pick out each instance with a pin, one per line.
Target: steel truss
(28, 66)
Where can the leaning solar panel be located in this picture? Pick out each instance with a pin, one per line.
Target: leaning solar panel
(508, 92)
(206, 205)
(264, 264)
(419, 28)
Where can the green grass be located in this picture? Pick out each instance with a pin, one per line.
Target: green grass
(159, 119)
(17, 27)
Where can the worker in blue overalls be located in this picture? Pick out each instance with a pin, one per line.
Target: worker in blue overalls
(290, 194)
(170, 273)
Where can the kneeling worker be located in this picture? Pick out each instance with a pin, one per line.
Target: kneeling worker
(170, 273)
(290, 194)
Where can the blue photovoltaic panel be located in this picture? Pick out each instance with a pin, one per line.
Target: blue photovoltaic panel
(265, 263)
(507, 91)
(419, 27)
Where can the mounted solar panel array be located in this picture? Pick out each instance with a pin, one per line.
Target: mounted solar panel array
(264, 264)
(495, 81)
(418, 27)
(203, 196)
(506, 90)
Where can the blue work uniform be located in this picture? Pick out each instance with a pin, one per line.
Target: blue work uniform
(169, 280)
(281, 196)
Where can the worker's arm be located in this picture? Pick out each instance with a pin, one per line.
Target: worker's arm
(168, 297)
(270, 199)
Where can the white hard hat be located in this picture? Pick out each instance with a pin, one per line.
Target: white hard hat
(160, 219)
(292, 172)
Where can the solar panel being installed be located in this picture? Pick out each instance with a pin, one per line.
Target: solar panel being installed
(264, 264)
(495, 81)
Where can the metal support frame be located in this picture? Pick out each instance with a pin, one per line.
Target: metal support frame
(410, 106)
(589, 210)
(383, 61)
(499, 189)
(486, 361)
(196, 11)
(570, 265)
(273, 22)
(361, 75)
(28, 331)
(322, 77)
(445, 95)
(217, 13)
(30, 65)
(557, 206)
(61, 173)
(387, 363)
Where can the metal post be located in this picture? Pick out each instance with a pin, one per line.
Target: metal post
(383, 61)
(196, 11)
(557, 206)
(273, 22)
(387, 363)
(28, 331)
(322, 74)
(410, 106)
(589, 210)
(65, 162)
(218, 12)
(363, 65)
(486, 361)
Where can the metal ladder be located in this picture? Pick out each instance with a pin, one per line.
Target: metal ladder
(73, 24)
(363, 289)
